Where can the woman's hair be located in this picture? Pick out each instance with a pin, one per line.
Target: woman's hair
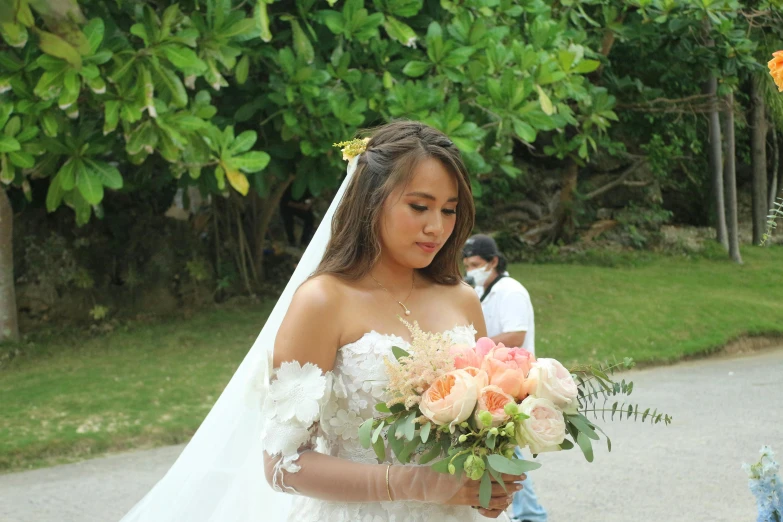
(392, 154)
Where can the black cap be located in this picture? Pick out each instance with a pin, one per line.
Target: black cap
(480, 245)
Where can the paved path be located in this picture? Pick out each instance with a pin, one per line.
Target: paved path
(724, 410)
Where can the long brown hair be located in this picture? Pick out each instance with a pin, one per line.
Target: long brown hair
(392, 154)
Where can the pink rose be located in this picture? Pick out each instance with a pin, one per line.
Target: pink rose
(471, 356)
(492, 399)
(450, 399)
(548, 379)
(508, 368)
(544, 429)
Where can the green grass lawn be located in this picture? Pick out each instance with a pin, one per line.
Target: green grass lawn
(71, 395)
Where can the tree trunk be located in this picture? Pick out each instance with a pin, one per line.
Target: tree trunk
(731, 182)
(773, 182)
(758, 140)
(563, 214)
(9, 326)
(563, 226)
(779, 168)
(716, 166)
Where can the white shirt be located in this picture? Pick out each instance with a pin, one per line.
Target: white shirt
(507, 308)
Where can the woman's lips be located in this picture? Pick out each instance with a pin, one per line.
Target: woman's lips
(428, 247)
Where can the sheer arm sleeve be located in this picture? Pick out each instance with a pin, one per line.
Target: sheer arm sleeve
(296, 401)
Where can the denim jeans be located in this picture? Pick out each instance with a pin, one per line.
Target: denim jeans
(525, 505)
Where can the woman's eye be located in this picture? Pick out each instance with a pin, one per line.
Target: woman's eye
(450, 211)
(418, 208)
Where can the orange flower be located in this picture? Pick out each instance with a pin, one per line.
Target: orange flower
(493, 400)
(776, 69)
(451, 399)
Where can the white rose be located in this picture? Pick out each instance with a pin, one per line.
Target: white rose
(548, 379)
(544, 429)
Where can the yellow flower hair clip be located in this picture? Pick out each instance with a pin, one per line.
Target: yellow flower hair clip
(353, 148)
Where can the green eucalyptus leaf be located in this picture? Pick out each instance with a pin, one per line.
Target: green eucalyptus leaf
(365, 433)
(584, 444)
(379, 447)
(399, 353)
(485, 490)
(513, 466)
(377, 433)
(425, 432)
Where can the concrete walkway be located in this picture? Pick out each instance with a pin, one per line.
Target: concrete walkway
(724, 410)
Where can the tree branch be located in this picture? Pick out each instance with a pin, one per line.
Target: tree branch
(698, 103)
(619, 181)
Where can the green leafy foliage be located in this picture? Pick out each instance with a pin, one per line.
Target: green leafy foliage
(173, 84)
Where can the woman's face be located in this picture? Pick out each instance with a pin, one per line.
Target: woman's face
(419, 216)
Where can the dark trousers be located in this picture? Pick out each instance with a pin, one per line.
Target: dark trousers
(288, 214)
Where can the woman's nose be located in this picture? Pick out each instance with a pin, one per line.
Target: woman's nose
(434, 225)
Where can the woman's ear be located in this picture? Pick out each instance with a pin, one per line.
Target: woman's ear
(494, 263)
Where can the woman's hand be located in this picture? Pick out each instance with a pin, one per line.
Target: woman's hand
(422, 483)
(501, 498)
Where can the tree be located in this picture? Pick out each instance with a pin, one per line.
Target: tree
(81, 107)
(759, 128)
(186, 93)
(9, 329)
(716, 155)
(731, 181)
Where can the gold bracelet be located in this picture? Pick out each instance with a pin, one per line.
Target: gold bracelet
(388, 491)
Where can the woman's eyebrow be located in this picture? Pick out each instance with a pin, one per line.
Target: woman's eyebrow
(424, 195)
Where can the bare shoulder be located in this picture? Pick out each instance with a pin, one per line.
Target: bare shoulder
(467, 301)
(319, 293)
(461, 293)
(310, 330)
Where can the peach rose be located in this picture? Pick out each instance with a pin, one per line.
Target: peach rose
(471, 356)
(548, 379)
(776, 69)
(450, 399)
(493, 400)
(544, 430)
(508, 368)
(482, 380)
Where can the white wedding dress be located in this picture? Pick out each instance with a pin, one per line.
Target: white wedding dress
(219, 477)
(358, 381)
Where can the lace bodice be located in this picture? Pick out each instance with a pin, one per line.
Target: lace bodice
(351, 391)
(359, 380)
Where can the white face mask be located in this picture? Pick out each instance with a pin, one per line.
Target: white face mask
(480, 275)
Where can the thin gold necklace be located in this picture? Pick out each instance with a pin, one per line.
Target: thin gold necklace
(401, 303)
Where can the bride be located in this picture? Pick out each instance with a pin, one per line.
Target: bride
(397, 226)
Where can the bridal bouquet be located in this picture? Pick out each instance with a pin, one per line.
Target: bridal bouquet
(473, 405)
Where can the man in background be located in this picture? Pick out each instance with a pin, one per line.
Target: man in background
(510, 320)
(302, 208)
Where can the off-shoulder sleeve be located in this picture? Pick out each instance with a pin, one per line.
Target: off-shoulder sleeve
(297, 400)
